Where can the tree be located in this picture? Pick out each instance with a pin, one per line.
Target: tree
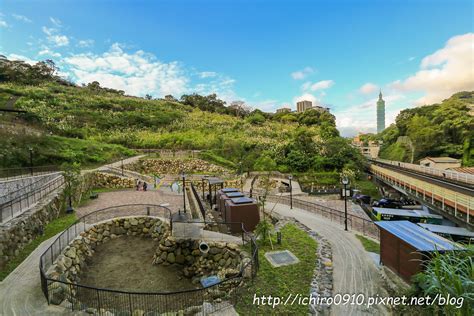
(148, 97)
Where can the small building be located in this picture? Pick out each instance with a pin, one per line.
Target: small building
(303, 106)
(283, 110)
(406, 247)
(320, 108)
(223, 195)
(441, 163)
(242, 210)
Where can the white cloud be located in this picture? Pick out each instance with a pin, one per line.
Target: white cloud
(368, 88)
(446, 71)
(301, 74)
(47, 52)
(21, 57)
(21, 18)
(207, 74)
(320, 85)
(85, 43)
(54, 37)
(137, 73)
(307, 97)
(56, 22)
(3, 23)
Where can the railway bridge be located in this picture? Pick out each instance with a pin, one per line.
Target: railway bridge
(448, 193)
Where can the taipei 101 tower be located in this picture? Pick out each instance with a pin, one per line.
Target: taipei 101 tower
(380, 114)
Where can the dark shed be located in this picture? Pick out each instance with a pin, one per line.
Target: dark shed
(405, 246)
(244, 210)
(222, 197)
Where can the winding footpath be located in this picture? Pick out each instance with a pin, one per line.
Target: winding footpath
(354, 271)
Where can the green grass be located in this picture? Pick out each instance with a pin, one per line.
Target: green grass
(293, 279)
(369, 244)
(367, 187)
(54, 227)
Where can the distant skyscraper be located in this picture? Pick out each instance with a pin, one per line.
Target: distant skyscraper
(380, 114)
(303, 106)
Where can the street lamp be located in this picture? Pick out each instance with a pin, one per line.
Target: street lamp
(291, 192)
(122, 166)
(204, 178)
(184, 191)
(31, 160)
(345, 182)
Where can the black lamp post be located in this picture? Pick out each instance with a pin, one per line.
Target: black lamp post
(122, 166)
(345, 182)
(31, 160)
(184, 191)
(291, 192)
(203, 183)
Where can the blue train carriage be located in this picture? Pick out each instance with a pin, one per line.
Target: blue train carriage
(414, 216)
(458, 234)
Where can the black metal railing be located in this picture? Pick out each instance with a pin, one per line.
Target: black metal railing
(354, 222)
(23, 172)
(22, 203)
(17, 187)
(101, 301)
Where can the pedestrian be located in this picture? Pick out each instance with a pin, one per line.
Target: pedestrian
(137, 184)
(145, 185)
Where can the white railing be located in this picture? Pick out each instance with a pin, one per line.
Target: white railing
(446, 174)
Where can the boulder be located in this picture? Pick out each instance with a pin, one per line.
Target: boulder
(170, 258)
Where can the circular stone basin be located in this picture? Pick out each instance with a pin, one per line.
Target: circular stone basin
(125, 263)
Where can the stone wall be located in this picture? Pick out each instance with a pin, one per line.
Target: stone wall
(107, 180)
(223, 259)
(13, 188)
(73, 258)
(175, 166)
(21, 230)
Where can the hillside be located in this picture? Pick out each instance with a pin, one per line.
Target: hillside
(445, 129)
(92, 124)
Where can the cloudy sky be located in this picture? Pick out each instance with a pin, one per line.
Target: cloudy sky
(268, 53)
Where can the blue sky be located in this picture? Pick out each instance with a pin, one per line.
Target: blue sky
(267, 53)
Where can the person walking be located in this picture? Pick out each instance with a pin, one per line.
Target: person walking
(145, 186)
(137, 184)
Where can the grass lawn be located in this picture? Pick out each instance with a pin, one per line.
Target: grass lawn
(53, 228)
(282, 281)
(367, 187)
(369, 244)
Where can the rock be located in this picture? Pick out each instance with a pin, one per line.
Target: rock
(217, 257)
(180, 259)
(133, 222)
(91, 310)
(196, 252)
(56, 296)
(71, 253)
(222, 262)
(214, 250)
(138, 312)
(170, 258)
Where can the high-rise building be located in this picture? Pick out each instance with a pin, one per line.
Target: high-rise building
(303, 106)
(380, 114)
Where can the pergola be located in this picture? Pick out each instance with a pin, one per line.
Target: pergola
(214, 183)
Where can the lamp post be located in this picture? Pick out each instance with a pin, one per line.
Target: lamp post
(122, 166)
(345, 182)
(291, 192)
(203, 181)
(184, 191)
(31, 160)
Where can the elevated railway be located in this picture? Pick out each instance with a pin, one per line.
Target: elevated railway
(448, 193)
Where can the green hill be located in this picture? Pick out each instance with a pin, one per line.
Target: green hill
(445, 129)
(92, 124)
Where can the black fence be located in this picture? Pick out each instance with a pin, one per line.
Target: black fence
(16, 173)
(100, 301)
(354, 222)
(22, 203)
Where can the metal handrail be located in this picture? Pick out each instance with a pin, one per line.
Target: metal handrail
(42, 191)
(25, 172)
(30, 184)
(49, 254)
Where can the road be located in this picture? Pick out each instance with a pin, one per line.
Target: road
(354, 271)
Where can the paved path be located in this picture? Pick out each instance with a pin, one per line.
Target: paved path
(354, 270)
(20, 292)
